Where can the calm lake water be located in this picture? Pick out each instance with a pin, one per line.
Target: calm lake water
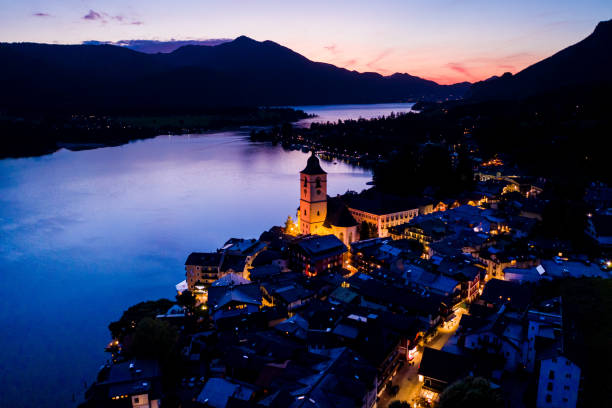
(84, 235)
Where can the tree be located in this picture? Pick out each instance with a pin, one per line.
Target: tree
(366, 231)
(473, 392)
(187, 300)
(290, 228)
(135, 314)
(154, 339)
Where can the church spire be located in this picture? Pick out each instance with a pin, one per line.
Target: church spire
(313, 166)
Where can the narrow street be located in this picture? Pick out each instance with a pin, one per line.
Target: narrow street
(407, 377)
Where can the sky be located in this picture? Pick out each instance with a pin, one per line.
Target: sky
(446, 41)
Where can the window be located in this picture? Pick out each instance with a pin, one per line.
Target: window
(318, 213)
(135, 400)
(551, 374)
(548, 398)
(304, 212)
(318, 184)
(564, 399)
(566, 387)
(568, 375)
(550, 386)
(305, 183)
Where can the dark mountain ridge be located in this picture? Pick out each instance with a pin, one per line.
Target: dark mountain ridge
(586, 63)
(243, 72)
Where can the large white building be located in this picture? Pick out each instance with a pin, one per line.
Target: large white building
(558, 383)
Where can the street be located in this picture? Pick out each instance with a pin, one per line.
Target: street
(407, 378)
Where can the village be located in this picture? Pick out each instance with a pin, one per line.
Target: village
(374, 300)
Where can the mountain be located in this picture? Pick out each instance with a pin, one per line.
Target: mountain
(587, 63)
(243, 72)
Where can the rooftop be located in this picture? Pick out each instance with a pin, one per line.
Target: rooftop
(321, 244)
(377, 203)
(313, 167)
(204, 259)
(443, 366)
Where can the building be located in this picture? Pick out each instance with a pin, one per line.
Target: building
(202, 269)
(313, 255)
(233, 300)
(135, 384)
(383, 211)
(558, 376)
(425, 231)
(318, 214)
(558, 382)
(438, 370)
(219, 393)
(313, 197)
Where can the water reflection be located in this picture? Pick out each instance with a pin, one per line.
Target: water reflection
(85, 234)
(333, 113)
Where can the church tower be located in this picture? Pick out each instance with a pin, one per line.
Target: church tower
(313, 197)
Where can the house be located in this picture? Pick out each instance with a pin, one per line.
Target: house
(240, 246)
(264, 272)
(218, 393)
(426, 231)
(514, 297)
(466, 272)
(558, 382)
(439, 369)
(377, 343)
(523, 275)
(339, 378)
(558, 375)
(378, 294)
(234, 263)
(202, 268)
(288, 294)
(233, 300)
(499, 336)
(371, 255)
(544, 320)
(432, 282)
(313, 254)
(231, 279)
(135, 383)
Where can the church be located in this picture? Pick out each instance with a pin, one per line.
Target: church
(319, 214)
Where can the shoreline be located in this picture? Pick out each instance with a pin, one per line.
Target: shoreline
(35, 136)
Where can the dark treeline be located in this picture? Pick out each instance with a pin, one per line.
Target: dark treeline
(33, 134)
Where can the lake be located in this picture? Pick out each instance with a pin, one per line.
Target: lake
(84, 235)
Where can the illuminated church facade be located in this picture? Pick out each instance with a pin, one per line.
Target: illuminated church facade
(319, 214)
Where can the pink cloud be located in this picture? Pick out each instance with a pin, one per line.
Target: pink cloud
(373, 64)
(92, 15)
(105, 17)
(332, 48)
(460, 68)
